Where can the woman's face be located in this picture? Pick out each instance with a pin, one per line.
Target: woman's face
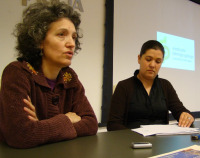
(59, 44)
(150, 63)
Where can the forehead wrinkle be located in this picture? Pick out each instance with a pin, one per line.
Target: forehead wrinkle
(67, 30)
(62, 23)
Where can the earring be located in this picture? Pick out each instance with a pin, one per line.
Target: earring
(41, 52)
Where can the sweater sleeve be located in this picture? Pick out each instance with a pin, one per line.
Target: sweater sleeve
(81, 106)
(118, 108)
(173, 102)
(18, 131)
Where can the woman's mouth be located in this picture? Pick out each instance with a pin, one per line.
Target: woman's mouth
(69, 54)
(151, 71)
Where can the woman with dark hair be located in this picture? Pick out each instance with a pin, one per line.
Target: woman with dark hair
(41, 98)
(145, 98)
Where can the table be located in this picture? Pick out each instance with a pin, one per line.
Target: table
(115, 144)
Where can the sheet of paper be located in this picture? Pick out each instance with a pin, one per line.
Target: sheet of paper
(147, 130)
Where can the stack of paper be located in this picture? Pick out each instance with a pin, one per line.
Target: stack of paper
(147, 130)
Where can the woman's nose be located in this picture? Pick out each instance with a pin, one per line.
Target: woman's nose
(70, 42)
(152, 63)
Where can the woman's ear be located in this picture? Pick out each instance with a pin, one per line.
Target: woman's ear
(139, 59)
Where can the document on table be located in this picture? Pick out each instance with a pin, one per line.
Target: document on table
(148, 130)
(189, 152)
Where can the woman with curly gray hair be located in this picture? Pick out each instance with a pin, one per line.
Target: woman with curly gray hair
(41, 98)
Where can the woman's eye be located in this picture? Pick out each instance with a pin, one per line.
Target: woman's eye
(74, 37)
(148, 59)
(158, 61)
(61, 34)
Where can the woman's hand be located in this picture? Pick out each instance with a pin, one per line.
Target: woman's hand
(30, 109)
(74, 118)
(185, 120)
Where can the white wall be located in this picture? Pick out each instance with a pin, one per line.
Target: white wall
(88, 63)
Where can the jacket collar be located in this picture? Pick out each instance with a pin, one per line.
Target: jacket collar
(137, 72)
(66, 77)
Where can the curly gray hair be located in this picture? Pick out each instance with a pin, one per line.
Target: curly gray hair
(36, 21)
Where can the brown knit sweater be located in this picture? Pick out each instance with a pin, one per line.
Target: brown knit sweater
(20, 80)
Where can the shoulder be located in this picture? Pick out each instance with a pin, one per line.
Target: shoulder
(15, 75)
(18, 71)
(70, 78)
(166, 85)
(18, 68)
(14, 67)
(14, 64)
(126, 82)
(20, 65)
(164, 82)
(69, 74)
(70, 70)
(125, 86)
